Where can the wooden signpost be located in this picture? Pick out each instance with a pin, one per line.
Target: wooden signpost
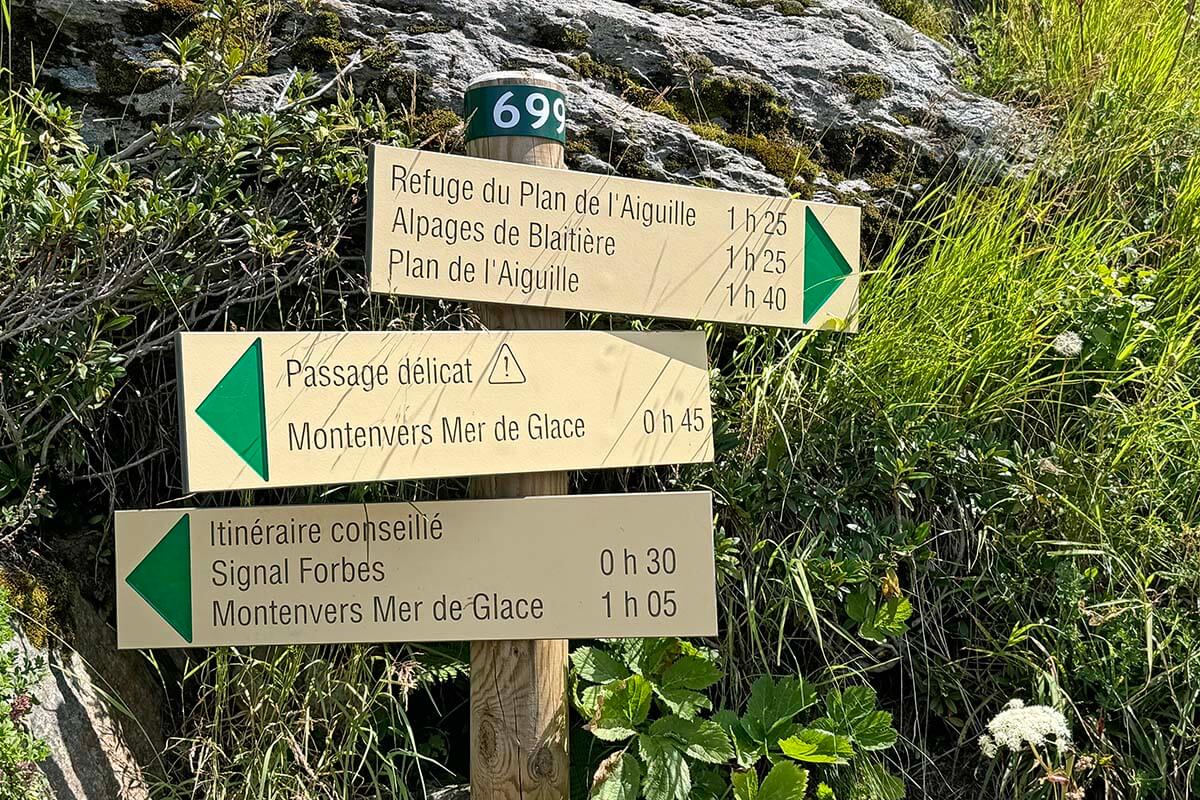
(586, 566)
(519, 704)
(522, 566)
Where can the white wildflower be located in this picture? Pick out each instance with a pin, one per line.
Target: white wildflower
(1019, 724)
(1068, 344)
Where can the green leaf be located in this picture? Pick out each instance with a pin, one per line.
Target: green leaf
(588, 701)
(746, 749)
(815, 746)
(847, 709)
(619, 777)
(667, 774)
(852, 713)
(691, 672)
(647, 657)
(785, 781)
(745, 785)
(824, 792)
(874, 782)
(875, 731)
(622, 706)
(709, 783)
(859, 606)
(771, 707)
(887, 620)
(596, 665)
(703, 740)
(683, 702)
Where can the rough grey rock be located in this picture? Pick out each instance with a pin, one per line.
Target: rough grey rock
(445, 43)
(100, 713)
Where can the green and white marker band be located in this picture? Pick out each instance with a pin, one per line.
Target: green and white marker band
(515, 110)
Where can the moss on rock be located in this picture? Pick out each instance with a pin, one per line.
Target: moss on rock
(920, 14)
(791, 8)
(39, 599)
(743, 103)
(867, 85)
(324, 44)
(696, 64)
(115, 75)
(864, 150)
(559, 37)
(781, 155)
(626, 85)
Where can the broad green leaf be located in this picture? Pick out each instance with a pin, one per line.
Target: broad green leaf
(846, 709)
(886, 620)
(709, 783)
(816, 746)
(744, 746)
(596, 665)
(875, 731)
(691, 672)
(745, 785)
(874, 782)
(684, 702)
(858, 702)
(667, 774)
(703, 740)
(859, 606)
(587, 701)
(785, 781)
(824, 792)
(647, 657)
(621, 707)
(619, 777)
(771, 706)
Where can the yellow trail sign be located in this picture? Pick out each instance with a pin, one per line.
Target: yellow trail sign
(540, 567)
(470, 229)
(291, 409)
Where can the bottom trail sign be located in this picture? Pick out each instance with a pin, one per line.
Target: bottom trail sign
(587, 566)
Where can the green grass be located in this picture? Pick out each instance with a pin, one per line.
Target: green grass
(286, 722)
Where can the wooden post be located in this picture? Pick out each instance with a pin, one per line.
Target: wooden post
(519, 688)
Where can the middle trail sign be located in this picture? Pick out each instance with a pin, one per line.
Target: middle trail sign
(291, 409)
(470, 229)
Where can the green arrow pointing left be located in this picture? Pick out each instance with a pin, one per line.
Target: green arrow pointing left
(164, 578)
(236, 409)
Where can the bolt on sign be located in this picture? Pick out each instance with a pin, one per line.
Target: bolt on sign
(470, 229)
(540, 567)
(291, 409)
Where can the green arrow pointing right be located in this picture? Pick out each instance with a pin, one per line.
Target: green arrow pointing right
(236, 409)
(164, 578)
(824, 265)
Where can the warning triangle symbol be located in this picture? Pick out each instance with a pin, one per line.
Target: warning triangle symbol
(236, 410)
(505, 368)
(824, 265)
(164, 578)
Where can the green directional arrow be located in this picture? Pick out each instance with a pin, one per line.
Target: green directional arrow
(164, 578)
(236, 410)
(824, 265)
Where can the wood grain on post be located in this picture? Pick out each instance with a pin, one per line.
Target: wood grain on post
(519, 688)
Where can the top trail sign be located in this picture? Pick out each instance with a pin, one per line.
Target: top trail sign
(469, 229)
